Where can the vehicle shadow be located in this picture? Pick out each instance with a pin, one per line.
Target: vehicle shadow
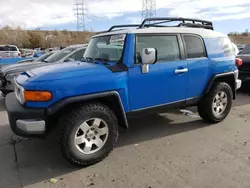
(155, 126)
(40, 160)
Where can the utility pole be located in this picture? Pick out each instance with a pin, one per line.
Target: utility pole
(148, 9)
(79, 10)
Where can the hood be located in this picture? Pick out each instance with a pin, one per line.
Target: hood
(245, 57)
(22, 67)
(67, 70)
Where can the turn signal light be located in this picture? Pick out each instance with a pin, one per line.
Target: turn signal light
(37, 96)
(238, 62)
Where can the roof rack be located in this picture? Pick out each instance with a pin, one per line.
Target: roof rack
(123, 26)
(155, 22)
(185, 22)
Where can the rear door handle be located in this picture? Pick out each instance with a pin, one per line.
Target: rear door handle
(180, 71)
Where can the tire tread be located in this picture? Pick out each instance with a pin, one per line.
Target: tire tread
(67, 121)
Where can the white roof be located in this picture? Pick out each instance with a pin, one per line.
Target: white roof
(205, 33)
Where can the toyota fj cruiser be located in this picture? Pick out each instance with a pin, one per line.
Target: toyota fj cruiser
(152, 67)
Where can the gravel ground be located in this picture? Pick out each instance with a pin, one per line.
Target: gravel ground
(162, 150)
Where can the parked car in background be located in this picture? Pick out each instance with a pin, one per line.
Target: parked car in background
(27, 52)
(41, 58)
(241, 47)
(244, 69)
(9, 51)
(7, 73)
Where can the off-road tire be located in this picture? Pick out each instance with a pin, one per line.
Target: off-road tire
(70, 122)
(205, 105)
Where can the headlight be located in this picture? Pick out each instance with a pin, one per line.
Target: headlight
(19, 91)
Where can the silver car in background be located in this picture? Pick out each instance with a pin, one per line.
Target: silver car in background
(7, 73)
(41, 58)
(9, 51)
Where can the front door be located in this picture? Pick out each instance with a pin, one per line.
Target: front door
(167, 79)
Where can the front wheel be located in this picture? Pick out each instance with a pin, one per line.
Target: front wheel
(88, 134)
(216, 105)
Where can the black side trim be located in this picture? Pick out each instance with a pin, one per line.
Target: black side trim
(118, 67)
(157, 109)
(64, 102)
(165, 107)
(193, 101)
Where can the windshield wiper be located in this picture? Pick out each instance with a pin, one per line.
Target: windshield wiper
(87, 59)
(102, 59)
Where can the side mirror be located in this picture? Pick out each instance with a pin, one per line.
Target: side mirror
(149, 56)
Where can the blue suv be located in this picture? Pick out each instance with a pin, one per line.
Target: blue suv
(149, 68)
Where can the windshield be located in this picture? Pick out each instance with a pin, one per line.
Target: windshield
(8, 48)
(59, 55)
(108, 48)
(246, 50)
(42, 57)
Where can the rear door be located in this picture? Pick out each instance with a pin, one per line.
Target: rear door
(198, 65)
(167, 79)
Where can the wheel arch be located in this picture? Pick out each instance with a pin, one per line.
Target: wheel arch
(111, 99)
(228, 78)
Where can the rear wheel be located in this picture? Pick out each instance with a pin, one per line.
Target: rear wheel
(216, 105)
(88, 134)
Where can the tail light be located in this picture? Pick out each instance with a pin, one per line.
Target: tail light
(19, 54)
(238, 62)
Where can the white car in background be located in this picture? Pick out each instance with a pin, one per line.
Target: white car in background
(9, 51)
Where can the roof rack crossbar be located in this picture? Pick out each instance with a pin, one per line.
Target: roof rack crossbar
(123, 26)
(185, 21)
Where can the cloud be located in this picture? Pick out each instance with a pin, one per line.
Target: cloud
(133, 20)
(33, 13)
(37, 13)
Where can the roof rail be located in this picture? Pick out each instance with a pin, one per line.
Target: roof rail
(185, 22)
(123, 26)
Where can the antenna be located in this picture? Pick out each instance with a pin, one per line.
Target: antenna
(79, 10)
(148, 9)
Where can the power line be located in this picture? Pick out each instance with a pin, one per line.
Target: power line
(148, 9)
(79, 10)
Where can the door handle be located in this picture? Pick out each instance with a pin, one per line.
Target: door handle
(180, 71)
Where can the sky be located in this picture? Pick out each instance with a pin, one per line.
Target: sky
(227, 15)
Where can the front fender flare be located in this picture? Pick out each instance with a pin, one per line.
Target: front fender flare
(120, 112)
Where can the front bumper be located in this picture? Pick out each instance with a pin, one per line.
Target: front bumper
(25, 122)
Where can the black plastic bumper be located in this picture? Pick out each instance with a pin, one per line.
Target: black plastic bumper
(17, 112)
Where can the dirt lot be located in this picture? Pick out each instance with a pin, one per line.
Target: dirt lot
(169, 150)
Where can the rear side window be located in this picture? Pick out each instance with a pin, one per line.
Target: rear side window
(227, 46)
(194, 47)
(167, 47)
